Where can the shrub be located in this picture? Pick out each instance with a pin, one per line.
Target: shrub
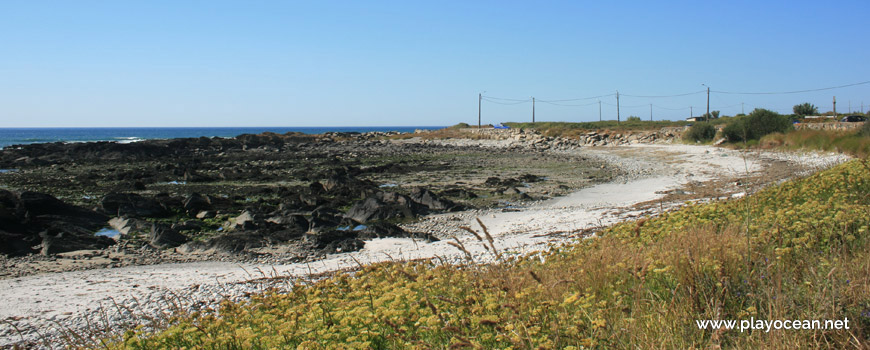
(865, 130)
(634, 119)
(700, 132)
(757, 124)
(805, 109)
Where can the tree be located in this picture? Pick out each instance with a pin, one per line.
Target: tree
(805, 109)
(711, 115)
(701, 132)
(634, 118)
(757, 124)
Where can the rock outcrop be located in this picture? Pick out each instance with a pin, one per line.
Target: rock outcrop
(33, 222)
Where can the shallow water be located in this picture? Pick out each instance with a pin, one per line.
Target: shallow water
(108, 232)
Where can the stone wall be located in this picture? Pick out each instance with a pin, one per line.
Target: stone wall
(829, 126)
(591, 138)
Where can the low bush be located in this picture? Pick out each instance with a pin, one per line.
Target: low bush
(865, 130)
(700, 132)
(755, 125)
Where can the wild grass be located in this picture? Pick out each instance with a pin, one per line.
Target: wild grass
(798, 250)
(856, 143)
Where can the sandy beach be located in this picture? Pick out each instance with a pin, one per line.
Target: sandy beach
(38, 308)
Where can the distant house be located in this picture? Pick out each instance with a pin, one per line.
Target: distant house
(695, 119)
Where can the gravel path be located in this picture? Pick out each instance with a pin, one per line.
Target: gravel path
(39, 308)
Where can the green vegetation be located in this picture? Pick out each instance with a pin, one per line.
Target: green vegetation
(757, 124)
(798, 250)
(854, 143)
(700, 132)
(805, 109)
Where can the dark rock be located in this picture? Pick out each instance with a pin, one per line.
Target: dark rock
(165, 237)
(529, 178)
(323, 218)
(133, 205)
(30, 219)
(459, 193)
(195, 203)
(290, 220)
(385, 205)
(335, 241)
(187, 225)
(431, 200)
(245, 221)
(55, 240)
(239, 241)
(316, 188)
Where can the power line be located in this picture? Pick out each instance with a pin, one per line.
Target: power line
(791, 92)
(505, 103)
(665, 96)
(633, 106)
(580, 99)
(567, 105)
(505, 99)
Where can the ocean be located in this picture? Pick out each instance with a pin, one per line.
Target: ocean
(18, 136)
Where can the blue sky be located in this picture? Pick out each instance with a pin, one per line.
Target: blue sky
(335, 63)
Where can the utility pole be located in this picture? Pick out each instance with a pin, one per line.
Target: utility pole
(617, 106)
(650, 112)
(533, 109)
(707, 117)
(479, 99)
(691, 111)
(835, 106)
(599, 110)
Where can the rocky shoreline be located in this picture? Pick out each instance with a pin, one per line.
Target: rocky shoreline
(255, 198)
